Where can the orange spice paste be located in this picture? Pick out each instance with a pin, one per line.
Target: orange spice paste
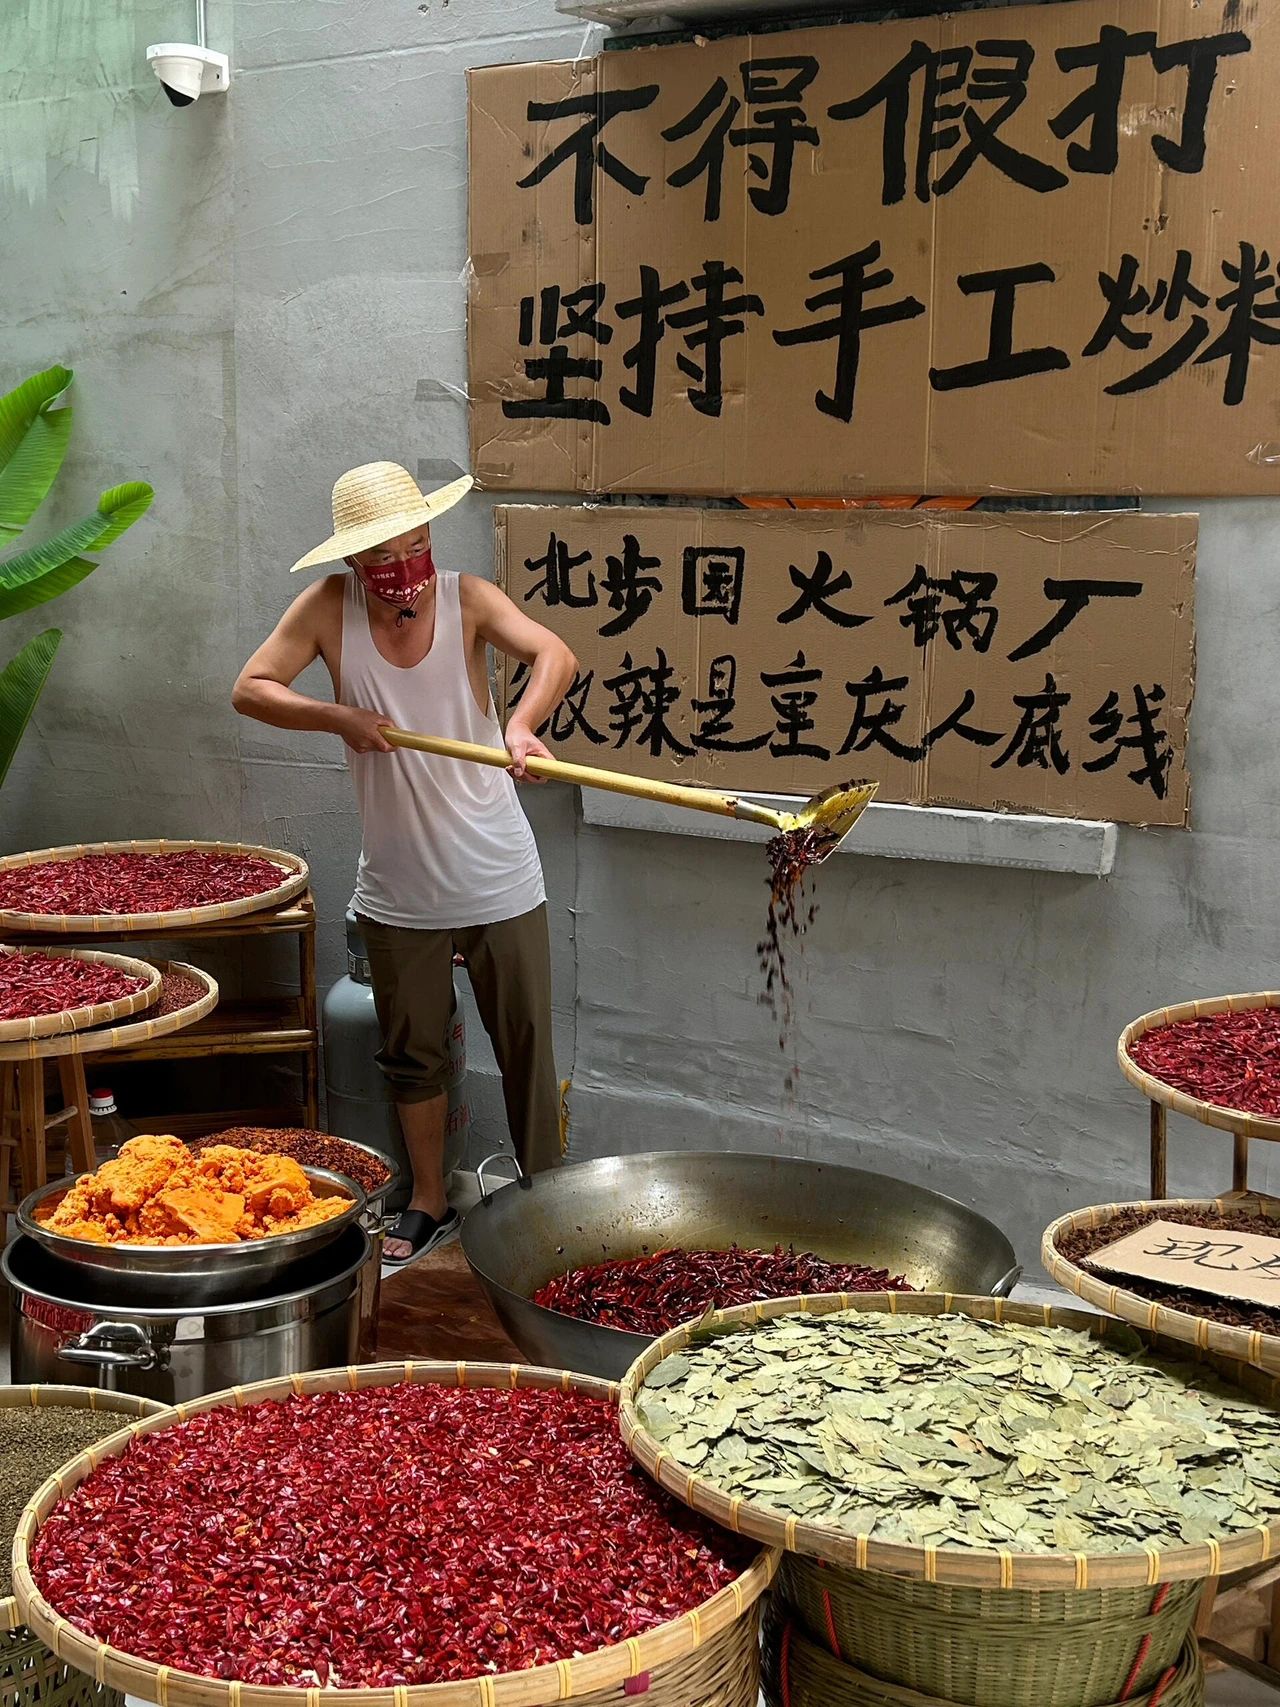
(157, 1192)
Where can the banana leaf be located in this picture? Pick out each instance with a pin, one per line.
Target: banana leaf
(33, 442)
(42, 572)
(21, 684)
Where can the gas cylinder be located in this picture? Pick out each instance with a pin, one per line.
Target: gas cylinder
(359, 1105)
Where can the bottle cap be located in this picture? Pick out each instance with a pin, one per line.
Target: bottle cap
(102, 1102)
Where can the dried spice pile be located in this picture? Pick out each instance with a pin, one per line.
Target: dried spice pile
(792, 855)
(1232, 1060)
(136, 882)
(158, 1192)
(311, 1149)
(35, 984)
(177, 991)
(944, 1431)
(34, 1442)
(652, 1294)
(398, 1535)
(1235, 1312)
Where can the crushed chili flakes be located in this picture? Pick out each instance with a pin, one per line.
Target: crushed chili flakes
(396, 1535)
(35, 984)
(311, 1149)
(178, 991)
(1229, 1059)
(124, 883)
(653, 1294)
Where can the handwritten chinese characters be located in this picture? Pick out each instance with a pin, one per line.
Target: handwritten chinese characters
(880, 257)
(1224, 1264)
(1041, 662)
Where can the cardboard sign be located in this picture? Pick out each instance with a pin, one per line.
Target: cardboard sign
(1024, 251)
(1228, 1265)
(1037, 662)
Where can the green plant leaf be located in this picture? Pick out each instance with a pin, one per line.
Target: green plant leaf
(34, 576)
(19, 407)
(26, 480)
(33, 443)
(21, 684)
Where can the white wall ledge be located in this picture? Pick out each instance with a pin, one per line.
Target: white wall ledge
(941, 834)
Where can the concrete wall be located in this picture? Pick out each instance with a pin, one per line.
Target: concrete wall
(265, 289)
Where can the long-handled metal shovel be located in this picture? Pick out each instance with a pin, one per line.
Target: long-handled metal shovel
(833, 813)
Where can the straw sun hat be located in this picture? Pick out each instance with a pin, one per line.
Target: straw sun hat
(376, 502)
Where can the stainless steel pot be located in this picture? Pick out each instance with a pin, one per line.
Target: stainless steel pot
(68, 1322)
(204, 1274)
(623, 1206)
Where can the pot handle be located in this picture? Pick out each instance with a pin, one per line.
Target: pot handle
(1006, 1283)
(497, 1156)
(93, 1347)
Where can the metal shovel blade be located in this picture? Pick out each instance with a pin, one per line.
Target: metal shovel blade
(832, 814)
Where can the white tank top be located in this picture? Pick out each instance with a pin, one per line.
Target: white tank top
(446, 844)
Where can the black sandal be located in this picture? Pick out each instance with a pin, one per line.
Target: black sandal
(422, 1233)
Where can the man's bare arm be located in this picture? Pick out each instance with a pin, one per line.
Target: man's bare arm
(263, 688)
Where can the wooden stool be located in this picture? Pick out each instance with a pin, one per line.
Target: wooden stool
(25, 1124)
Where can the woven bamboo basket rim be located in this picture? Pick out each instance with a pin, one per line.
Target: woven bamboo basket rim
(80, 1399)
(604, 1668)
(1246, 1345)
(295, 875)
(105, 1038)
(66, 1020)
(962, 1567)
(781, 1628)
(1207, 1113)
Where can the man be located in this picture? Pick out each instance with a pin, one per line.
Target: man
(448, 862)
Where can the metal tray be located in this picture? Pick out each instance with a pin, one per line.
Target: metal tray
(197, 1274)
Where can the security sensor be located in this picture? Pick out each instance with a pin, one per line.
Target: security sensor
(187, 71)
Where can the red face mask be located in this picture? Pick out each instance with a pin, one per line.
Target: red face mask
(401, 582)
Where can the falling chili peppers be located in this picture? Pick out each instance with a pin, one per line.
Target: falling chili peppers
(32, 985)
(124, 883)
(1229, 1059)
(652, 1294)
(791, 857)
(395, 1535)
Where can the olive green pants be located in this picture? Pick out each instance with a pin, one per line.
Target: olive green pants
(509, 965)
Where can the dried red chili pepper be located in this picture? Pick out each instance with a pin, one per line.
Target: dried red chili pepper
(1230, 1059)
(136, 882)
(652, 1294)
(398, 1535)
(791, 857)
(35, 984)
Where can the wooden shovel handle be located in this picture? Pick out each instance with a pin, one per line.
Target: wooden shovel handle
(557, 770)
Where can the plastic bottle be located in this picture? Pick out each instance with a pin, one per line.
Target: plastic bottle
(110, 1131)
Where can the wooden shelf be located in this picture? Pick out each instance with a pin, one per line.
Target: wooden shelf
(288, 1025)
(233, 1028)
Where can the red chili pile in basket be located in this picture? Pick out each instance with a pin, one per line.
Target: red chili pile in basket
(35, 984)
(398, 1535)
(136, 882)
(652, 1294)
(1232, 1060)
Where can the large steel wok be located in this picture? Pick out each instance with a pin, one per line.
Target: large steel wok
(518, 1237)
